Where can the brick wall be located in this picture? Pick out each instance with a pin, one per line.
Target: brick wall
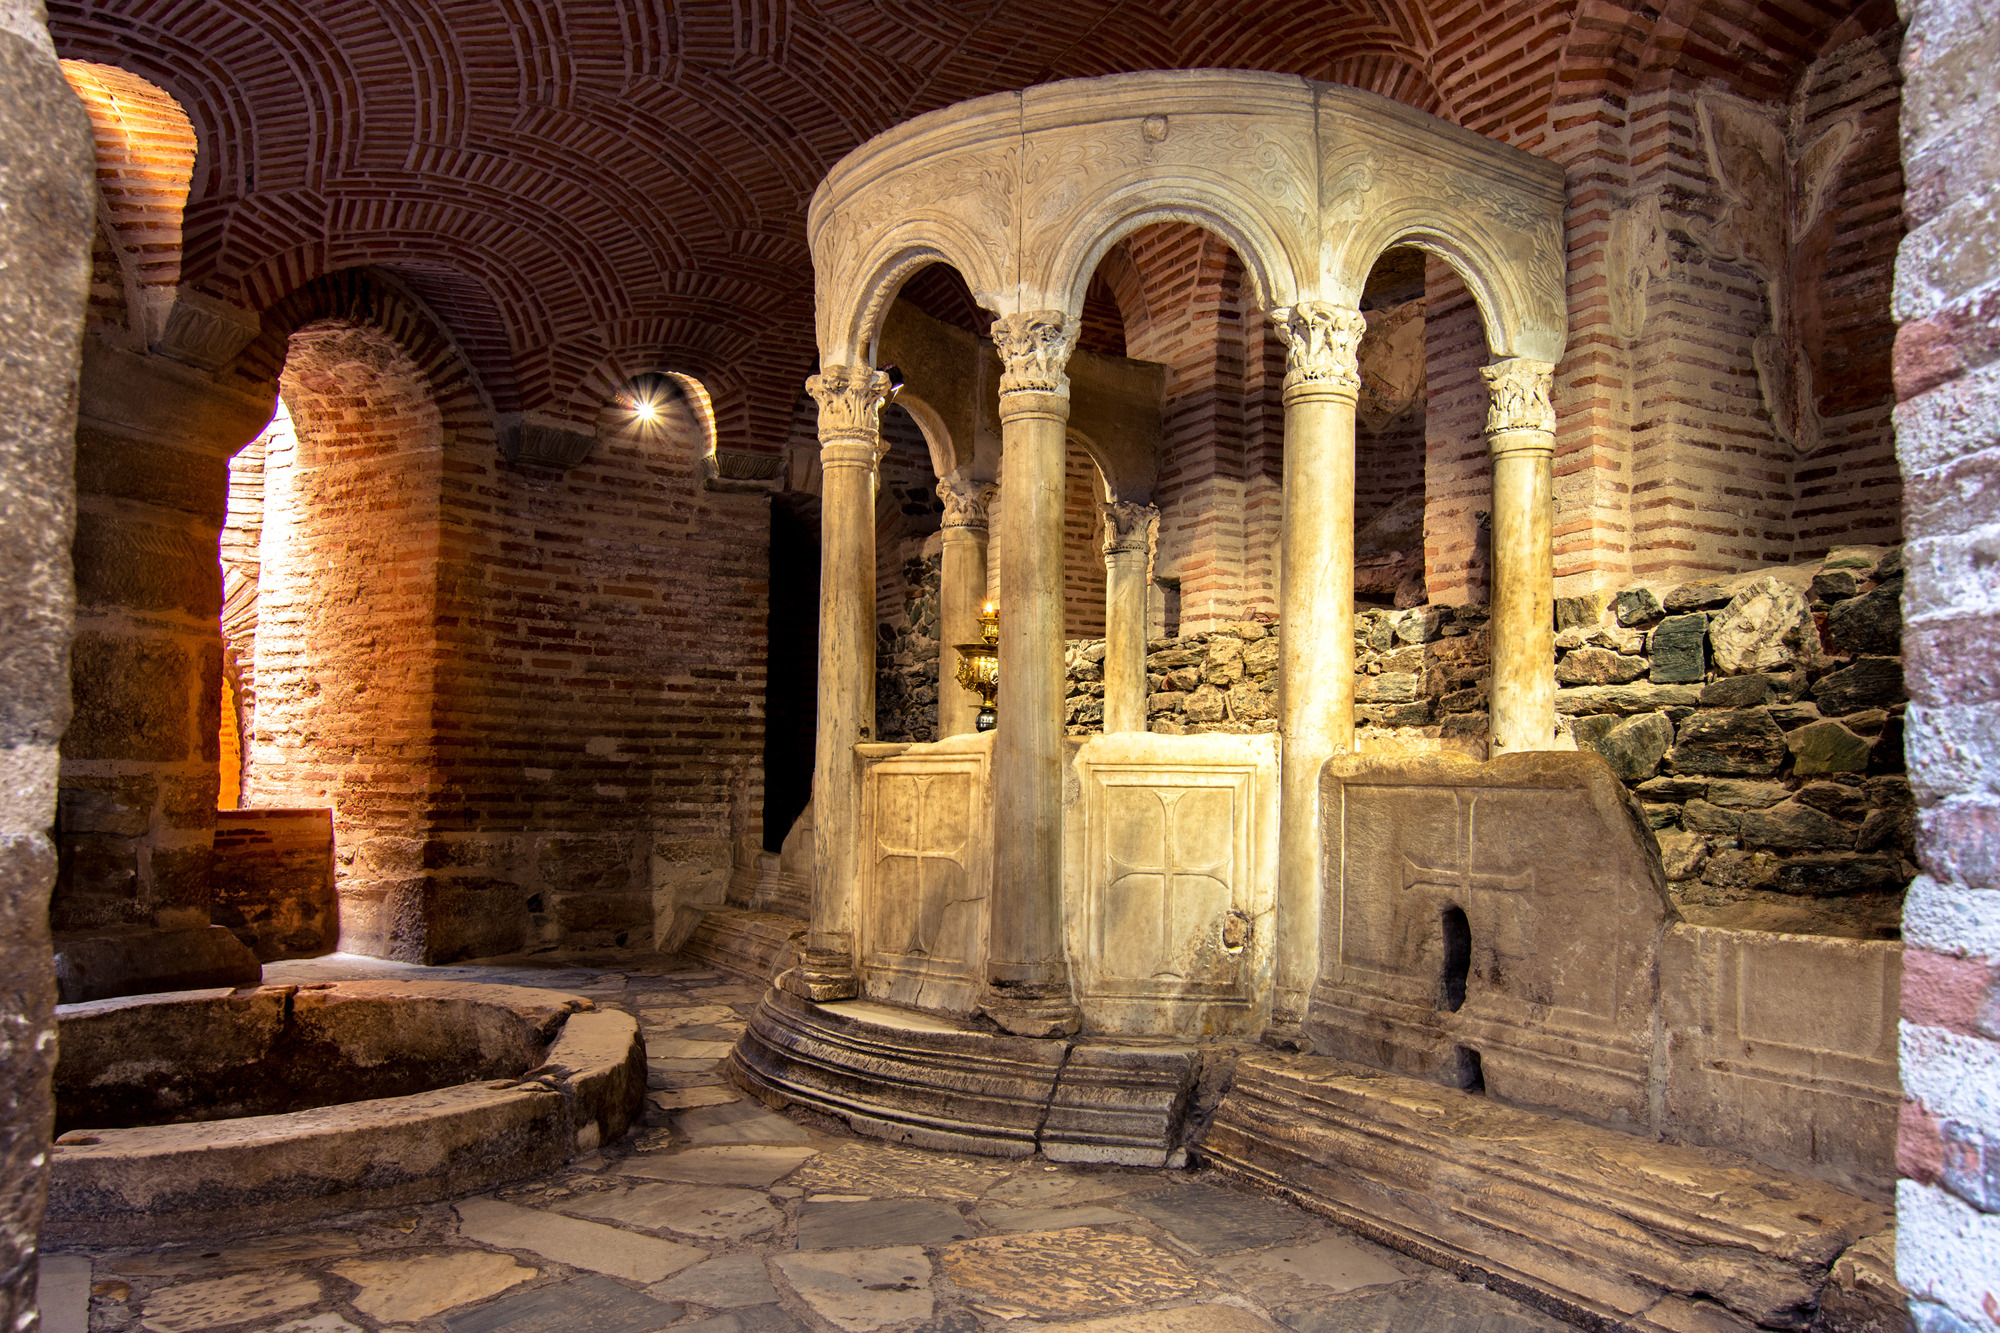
(1947, 363)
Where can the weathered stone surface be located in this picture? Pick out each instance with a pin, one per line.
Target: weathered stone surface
(1871, 682)
(1752, 691)
(734, 1122)
(1634, 746)
(1682, 855)
(1696, 596)
(1794, 824)
(192, 1306)
(1334, 1262)
(566, 1240)
(581, 1305)
(722, 1283)
(1679, 646)
(1600, 666)
(1833, 585)
(1827, 747)
(397, 1289)
(1215, 1221)
(1828, 874)
(712, 1212)
(1624, 699)
(862, 1290)
(1871, 623)
(1739, 741)
(732, 1165)
(1455, 1306)
(1699, 816)
(1179, 1319)
(1737, 794)
(833, 1226)
(1785, 1047)
(1050, 1219)
(1581, 1216)
(1637, 606)
(872, 1169)
(140, 962)
(1768, 626)
(1551, 978)
(1066, 1272)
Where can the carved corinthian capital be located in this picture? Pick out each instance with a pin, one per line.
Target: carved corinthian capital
(1034, 347)
(851, 399)
(1322, 344)
(1128, 526)
(965, 501)
(1520, 389)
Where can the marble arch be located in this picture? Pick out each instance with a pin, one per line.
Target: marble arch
(1024, 193)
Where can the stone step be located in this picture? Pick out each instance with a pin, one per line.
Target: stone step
(1604, 1228)
(753, 944)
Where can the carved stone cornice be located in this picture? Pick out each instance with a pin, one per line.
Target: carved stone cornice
(1322, 345)
(851, 399)
(1520, 386)
(1034, 348)
(965, 501)
(1128, 526)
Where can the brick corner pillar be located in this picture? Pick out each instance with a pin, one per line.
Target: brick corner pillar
(1129, 533)
(1315, 623)
(1027, 969)
(1521, 436)
(48, 163)
(851, 399)
(1947, 363)
(961, 591)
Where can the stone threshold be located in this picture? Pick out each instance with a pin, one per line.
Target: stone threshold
(745, 942)
(926, 1080)
(1608, 1230)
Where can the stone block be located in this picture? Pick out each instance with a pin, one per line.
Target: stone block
(131, 564)
(1679, 650)
(1833, 585)
(1837, 874)
(1737, 794)
(1156, 948)
(1784, 1046)
(1741, 741)
(1391, 687)
(1827, 747)
(1421, 624)
(1634, 746)
(1871, 682)
(132, 700)
(1599, 666)
(1638, 606)
(1794, 825)
(922, 900)
(1697, 596)
(1122, 1104)
(1741, 691)
(1699, 816)
(1768, 626)
(1584, 611)
(1551, 954)
(141, 962)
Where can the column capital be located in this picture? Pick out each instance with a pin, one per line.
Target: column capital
(965, 501)
(1128, 526)
(851, 399)
(1520, 386)
(1034, 349)
(1322, 347)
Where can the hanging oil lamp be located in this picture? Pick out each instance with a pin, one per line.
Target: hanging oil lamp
(979, 666)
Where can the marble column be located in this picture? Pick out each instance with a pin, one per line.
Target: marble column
(1315, 620)
(1028, 991)
(1128, 563)
(851, 399)
(1521, 434)
(961, 592)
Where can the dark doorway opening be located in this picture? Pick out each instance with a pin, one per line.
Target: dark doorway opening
(1457, 959)
(791, 681)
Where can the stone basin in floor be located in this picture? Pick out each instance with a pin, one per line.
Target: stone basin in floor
(214, 1111)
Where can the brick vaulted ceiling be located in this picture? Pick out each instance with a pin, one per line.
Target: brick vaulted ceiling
(588, 189)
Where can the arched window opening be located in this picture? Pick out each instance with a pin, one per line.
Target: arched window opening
(1389, 421)
(908, 562)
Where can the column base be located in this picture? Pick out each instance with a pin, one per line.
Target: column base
(1031, 1015)
(821, 975)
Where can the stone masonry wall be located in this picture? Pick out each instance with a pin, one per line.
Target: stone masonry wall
(46, 164)
(908, 657)
(1947, 365)
(1757, 720)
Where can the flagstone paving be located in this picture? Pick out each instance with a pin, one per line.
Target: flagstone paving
(722, 1216)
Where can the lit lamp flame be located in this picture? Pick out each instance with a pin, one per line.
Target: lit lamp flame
(646, 411)
(979, 666)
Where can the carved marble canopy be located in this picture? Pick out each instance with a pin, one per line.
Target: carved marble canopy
(1023, 193)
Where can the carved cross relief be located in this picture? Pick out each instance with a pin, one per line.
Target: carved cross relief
(1468, 880)
(934, 873)
(1143, 907)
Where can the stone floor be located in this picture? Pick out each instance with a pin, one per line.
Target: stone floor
(720, 1216)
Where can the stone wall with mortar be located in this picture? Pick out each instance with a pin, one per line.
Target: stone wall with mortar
(1756, 719)
(47, 166)
(908, 655)
(1947, 362)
